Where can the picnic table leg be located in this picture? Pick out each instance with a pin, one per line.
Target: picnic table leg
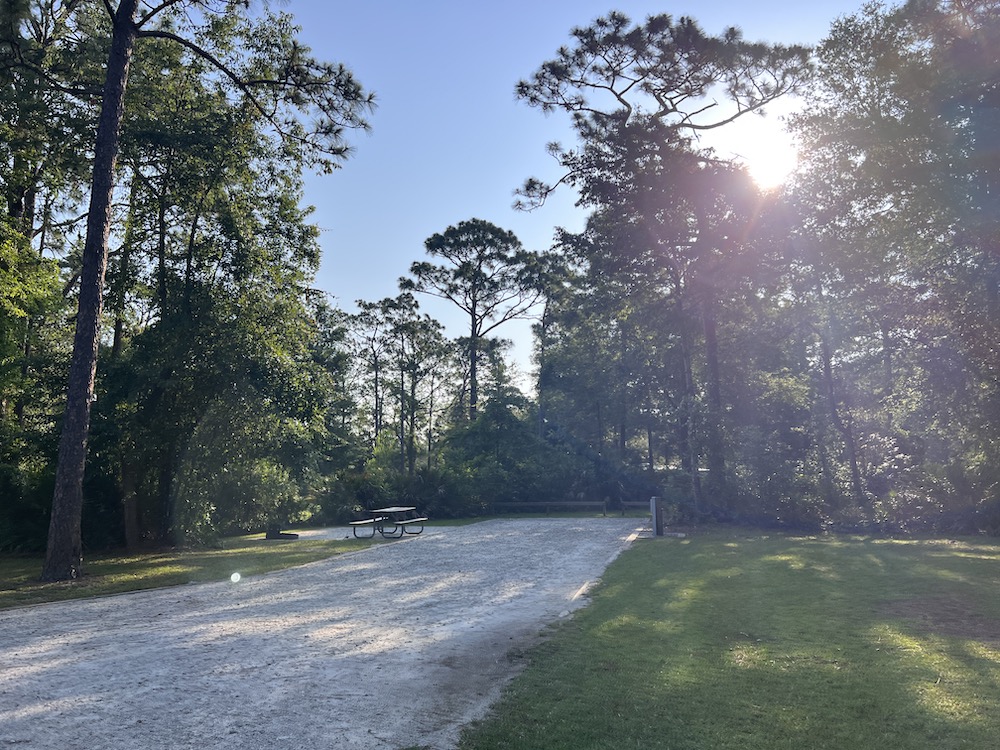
(397, 531)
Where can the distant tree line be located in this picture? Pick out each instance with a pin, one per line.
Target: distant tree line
(822, 356)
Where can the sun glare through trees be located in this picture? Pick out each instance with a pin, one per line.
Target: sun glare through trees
(767, 152)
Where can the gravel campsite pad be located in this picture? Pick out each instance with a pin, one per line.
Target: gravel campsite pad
(394, 646)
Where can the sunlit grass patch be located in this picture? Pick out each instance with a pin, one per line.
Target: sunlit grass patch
(117, 573)
(737, 641)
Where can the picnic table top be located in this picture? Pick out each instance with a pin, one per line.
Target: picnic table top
(395, 509)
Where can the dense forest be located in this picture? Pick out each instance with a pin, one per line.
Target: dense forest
(824, 355)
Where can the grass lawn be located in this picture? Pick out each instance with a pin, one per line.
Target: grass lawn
(116, 573)
(749, 641)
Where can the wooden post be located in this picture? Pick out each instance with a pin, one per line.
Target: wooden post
(656, 510)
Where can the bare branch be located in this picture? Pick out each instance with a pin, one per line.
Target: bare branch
(154, 11)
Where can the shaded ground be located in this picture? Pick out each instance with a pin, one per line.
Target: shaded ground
(392, 647)
(951, 616)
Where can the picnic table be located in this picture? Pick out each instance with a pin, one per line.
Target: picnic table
(391, 522)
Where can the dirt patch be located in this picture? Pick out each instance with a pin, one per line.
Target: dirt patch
(950, 616)
(396, 646)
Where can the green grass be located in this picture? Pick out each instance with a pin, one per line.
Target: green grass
(729, 640)
(117, 573)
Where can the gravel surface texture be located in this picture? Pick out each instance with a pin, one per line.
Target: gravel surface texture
(396, 646)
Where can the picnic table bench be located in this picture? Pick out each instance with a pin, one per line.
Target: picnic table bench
(391, 522)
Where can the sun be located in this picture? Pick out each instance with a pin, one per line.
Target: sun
(762, 145)
(772, 167)
(770, 160)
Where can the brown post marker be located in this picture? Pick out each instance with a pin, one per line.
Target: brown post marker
(656, 510)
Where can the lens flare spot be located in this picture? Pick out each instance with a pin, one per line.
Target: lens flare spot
(235, 577)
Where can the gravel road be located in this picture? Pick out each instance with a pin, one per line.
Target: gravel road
(396, 646)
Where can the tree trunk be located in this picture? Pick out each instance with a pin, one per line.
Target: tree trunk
(130, 507)
(714, 445)
(402, 409)
(161, 253)
(542, 382)
(120, 291)
(165, 496)
(623, 403)
(430, 423)
(599, 441)
(21, 195)
(843, 423)
(473, 367)
(64, 553)
(411, 440)
(887, 374)
(377, 406)
(650, 449)
(189, 261)
(21, 208)
(22, 400)
(686, 433)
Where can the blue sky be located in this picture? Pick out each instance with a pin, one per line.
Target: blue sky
(449, 140)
